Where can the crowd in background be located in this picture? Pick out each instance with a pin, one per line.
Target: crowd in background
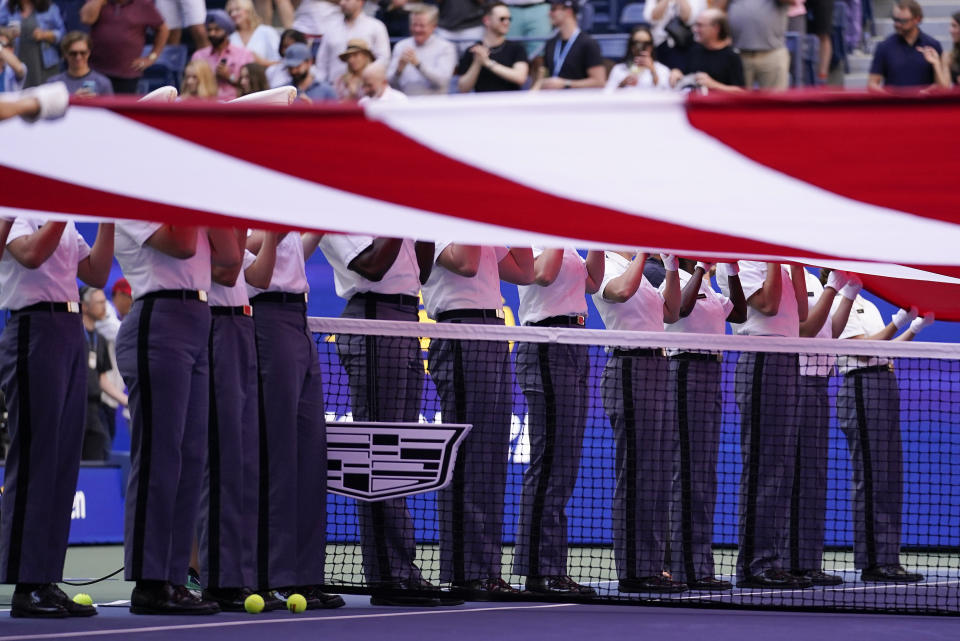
(342, 51)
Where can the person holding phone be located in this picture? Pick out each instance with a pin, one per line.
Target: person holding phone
(639, 68)
(80, 79)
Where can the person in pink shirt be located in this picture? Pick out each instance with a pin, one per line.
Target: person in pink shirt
(224, 58)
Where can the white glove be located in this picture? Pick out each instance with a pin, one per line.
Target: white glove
(670, 262)
(53, 99)
(919, 323)
(728, 269)
(903, 318)
(837, 279)
(705, 267)
(852, 288)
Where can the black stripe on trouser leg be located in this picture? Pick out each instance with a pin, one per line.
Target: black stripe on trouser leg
(868, 515)
(750, 521)
(795, 509)
(686, 489)
(214, 478)
(630, 437)
(546, 464)
(377, 515)
(460, 408)
(25, 436)
(146, 436)
(263, 497)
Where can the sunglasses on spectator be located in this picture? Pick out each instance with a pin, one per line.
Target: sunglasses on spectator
(643, 44)
(85, 52)
(504, 19)
(902, 20)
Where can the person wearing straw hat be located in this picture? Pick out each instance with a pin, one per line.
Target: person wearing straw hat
(357, 55)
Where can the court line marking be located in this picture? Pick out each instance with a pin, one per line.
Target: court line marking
(292, 619)
(747, 592)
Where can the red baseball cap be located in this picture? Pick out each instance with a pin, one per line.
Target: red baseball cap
(121, 286)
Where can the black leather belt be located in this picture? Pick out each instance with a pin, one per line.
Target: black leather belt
(181, 294)
(279, 297)
(391, 299)
(226, 310)
(639, 351)
(578, 320)
(695, 356)
(70, 307)
(873, 368)
(469, 313)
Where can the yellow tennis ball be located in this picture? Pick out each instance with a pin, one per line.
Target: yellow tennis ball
(83, 599)
(296, 603)
(253, 604)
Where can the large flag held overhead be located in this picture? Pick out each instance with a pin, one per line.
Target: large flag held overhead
(823, 179)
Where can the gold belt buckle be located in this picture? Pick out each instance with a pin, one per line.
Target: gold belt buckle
(500, 314)
(73, 307)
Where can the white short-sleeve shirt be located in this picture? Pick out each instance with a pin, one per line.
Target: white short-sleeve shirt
(817, 364)
(446, 291)
(149, 270)
(289, 272)
(235, 296)
(55, 281)
(642, 312)
(403, 277)
(709, 315)
(865, 319)
(264, 41)
(786, 322)
(565, 296)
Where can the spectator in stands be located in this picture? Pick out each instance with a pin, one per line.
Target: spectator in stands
(494, 63)
(951, 59)
(355, 24)
(299, 62)
(119, 36)
(461, 21)
(122, 297)
(12, 71)
(277, 75)
(35, 28)
(180, 14)
(259, 39)
(714, 63)
(198, 81)
(313, 17)
(79, 77)
(394, 15)
(820, 13)
(668, 19)
(639, 69)
(424, 63)
(376, 87)
(759, 29)
(284, 11)
(908, 57)
(357, 56)
(572, 59)
(223, 57)
(530, 19)
(97, 439)
(253, 78)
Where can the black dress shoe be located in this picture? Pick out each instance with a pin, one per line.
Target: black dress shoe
(560, 585)
(710, 584)
(316, 598)
(889, 574)
(73, 609)
(818, 577)
(485, 589)
(156, 597)
(774, 580)
(229, 599)
(415, 592)
(658, 583)
(37, 601)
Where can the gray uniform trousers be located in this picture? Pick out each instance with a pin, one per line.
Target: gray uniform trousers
(162, 356)
(292, 500)
(868, 410)
(766, 387)
(43, 377)
(693, 437)
(554, 381)
(386, 384)
(474, 386)
(228, 502)
(808, 508)
(633, 397)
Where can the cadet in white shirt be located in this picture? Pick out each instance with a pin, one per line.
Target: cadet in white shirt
(474, 384)
(631, 379)
(766, 388)
(694, 415)
(424, 63)
(868, 410)
(43, 376)
(162, 353)
(554, 379)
